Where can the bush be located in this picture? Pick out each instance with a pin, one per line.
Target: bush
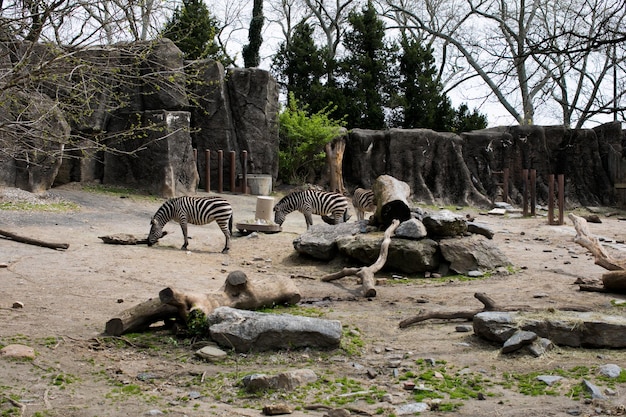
(302, 140)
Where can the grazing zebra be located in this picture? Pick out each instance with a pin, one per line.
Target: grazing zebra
(192, 210)
(363, 200)
(310, 202)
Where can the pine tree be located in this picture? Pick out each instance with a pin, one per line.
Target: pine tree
(193, 29)
(299, 67)
(364, 70)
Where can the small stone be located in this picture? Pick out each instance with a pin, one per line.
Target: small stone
(475, 274)
(519, 339)
(387, 398)
(549, 380)
(18, 351)
(4, 265)
(18, 304)
(412, 409)
(211, 353)
(593, 389)
(463, 328)
(277, 409)
(154, 412)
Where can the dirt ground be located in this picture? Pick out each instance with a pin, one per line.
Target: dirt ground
(69, 295)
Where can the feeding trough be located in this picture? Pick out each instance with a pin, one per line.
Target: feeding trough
(262, 218)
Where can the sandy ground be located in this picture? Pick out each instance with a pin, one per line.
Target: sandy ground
(69, 295)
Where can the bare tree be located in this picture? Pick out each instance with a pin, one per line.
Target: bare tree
(527, 53)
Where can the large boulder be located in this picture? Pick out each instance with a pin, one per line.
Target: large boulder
(161, 160)
(32, 150)
(472, 253)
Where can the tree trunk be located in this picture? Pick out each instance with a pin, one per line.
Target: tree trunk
(31, 241)
(391, 199)
(238, 292)
(334, 155)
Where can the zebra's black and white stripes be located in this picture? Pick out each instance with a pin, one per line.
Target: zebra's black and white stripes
(363, 201)
(193, 210)
(310, 202)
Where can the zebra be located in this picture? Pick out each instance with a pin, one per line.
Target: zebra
(363, 200)
(310, 202)
(192, 210)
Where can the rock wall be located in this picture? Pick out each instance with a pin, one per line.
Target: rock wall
(462, 169)
(172, 106)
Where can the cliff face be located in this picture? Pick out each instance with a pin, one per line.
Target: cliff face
(464, 169)
(150, 122)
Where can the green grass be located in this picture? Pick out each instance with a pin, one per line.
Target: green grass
(60, 206)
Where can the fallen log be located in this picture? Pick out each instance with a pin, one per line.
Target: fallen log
(615, 279)
(31, 241)
(238, 292)
(366, 273)
(488, 305)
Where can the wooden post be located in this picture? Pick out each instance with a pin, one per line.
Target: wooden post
(220, 171)
(207, 170)
(533, 192)
(244, 169)
(232, 171)
(525, 191)
(195, 162)
(505, 185)
(551, 199)
(561, 197)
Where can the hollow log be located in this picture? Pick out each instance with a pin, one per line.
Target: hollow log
(31, 241)
(238, 291)
(366, 274)
(391, 199)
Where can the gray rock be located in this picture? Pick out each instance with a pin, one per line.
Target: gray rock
(566, 328)
(408, 256)
(610, 370)
(472, 253)
(480, 229)
(444, 223)
(593, 389)
(540, 346)
(518, 340)
(549, 380)
(246, 331)
(211, 353)
(286, 381)
(412, 408)
(411, 229)
(494, 325)
(320, 240)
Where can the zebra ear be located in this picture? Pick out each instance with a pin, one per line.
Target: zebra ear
(152, 221)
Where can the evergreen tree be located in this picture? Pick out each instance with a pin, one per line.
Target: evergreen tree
(364, 70)
(298, 66)
(193, 29)
(250, 53)
(464, 121)
(424, 105)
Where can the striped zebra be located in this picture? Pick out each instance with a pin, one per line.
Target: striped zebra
(192, 210)
(363, 200)
(310, 202)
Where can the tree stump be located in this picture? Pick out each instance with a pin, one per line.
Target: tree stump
(391, 199)
(334, 156)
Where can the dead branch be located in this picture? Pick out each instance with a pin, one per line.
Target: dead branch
(366, 273)
(585, 239)
(31, 241)
(488, 305)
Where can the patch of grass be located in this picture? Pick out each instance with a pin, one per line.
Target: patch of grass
(58, 207)
(119, 191)
(351, 342)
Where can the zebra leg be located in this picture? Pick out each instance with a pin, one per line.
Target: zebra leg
(308, 217)
(226, 229)
(183, 226)
(360, 214)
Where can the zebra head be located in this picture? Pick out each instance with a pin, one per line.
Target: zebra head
(156, 231)
(279, 215)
